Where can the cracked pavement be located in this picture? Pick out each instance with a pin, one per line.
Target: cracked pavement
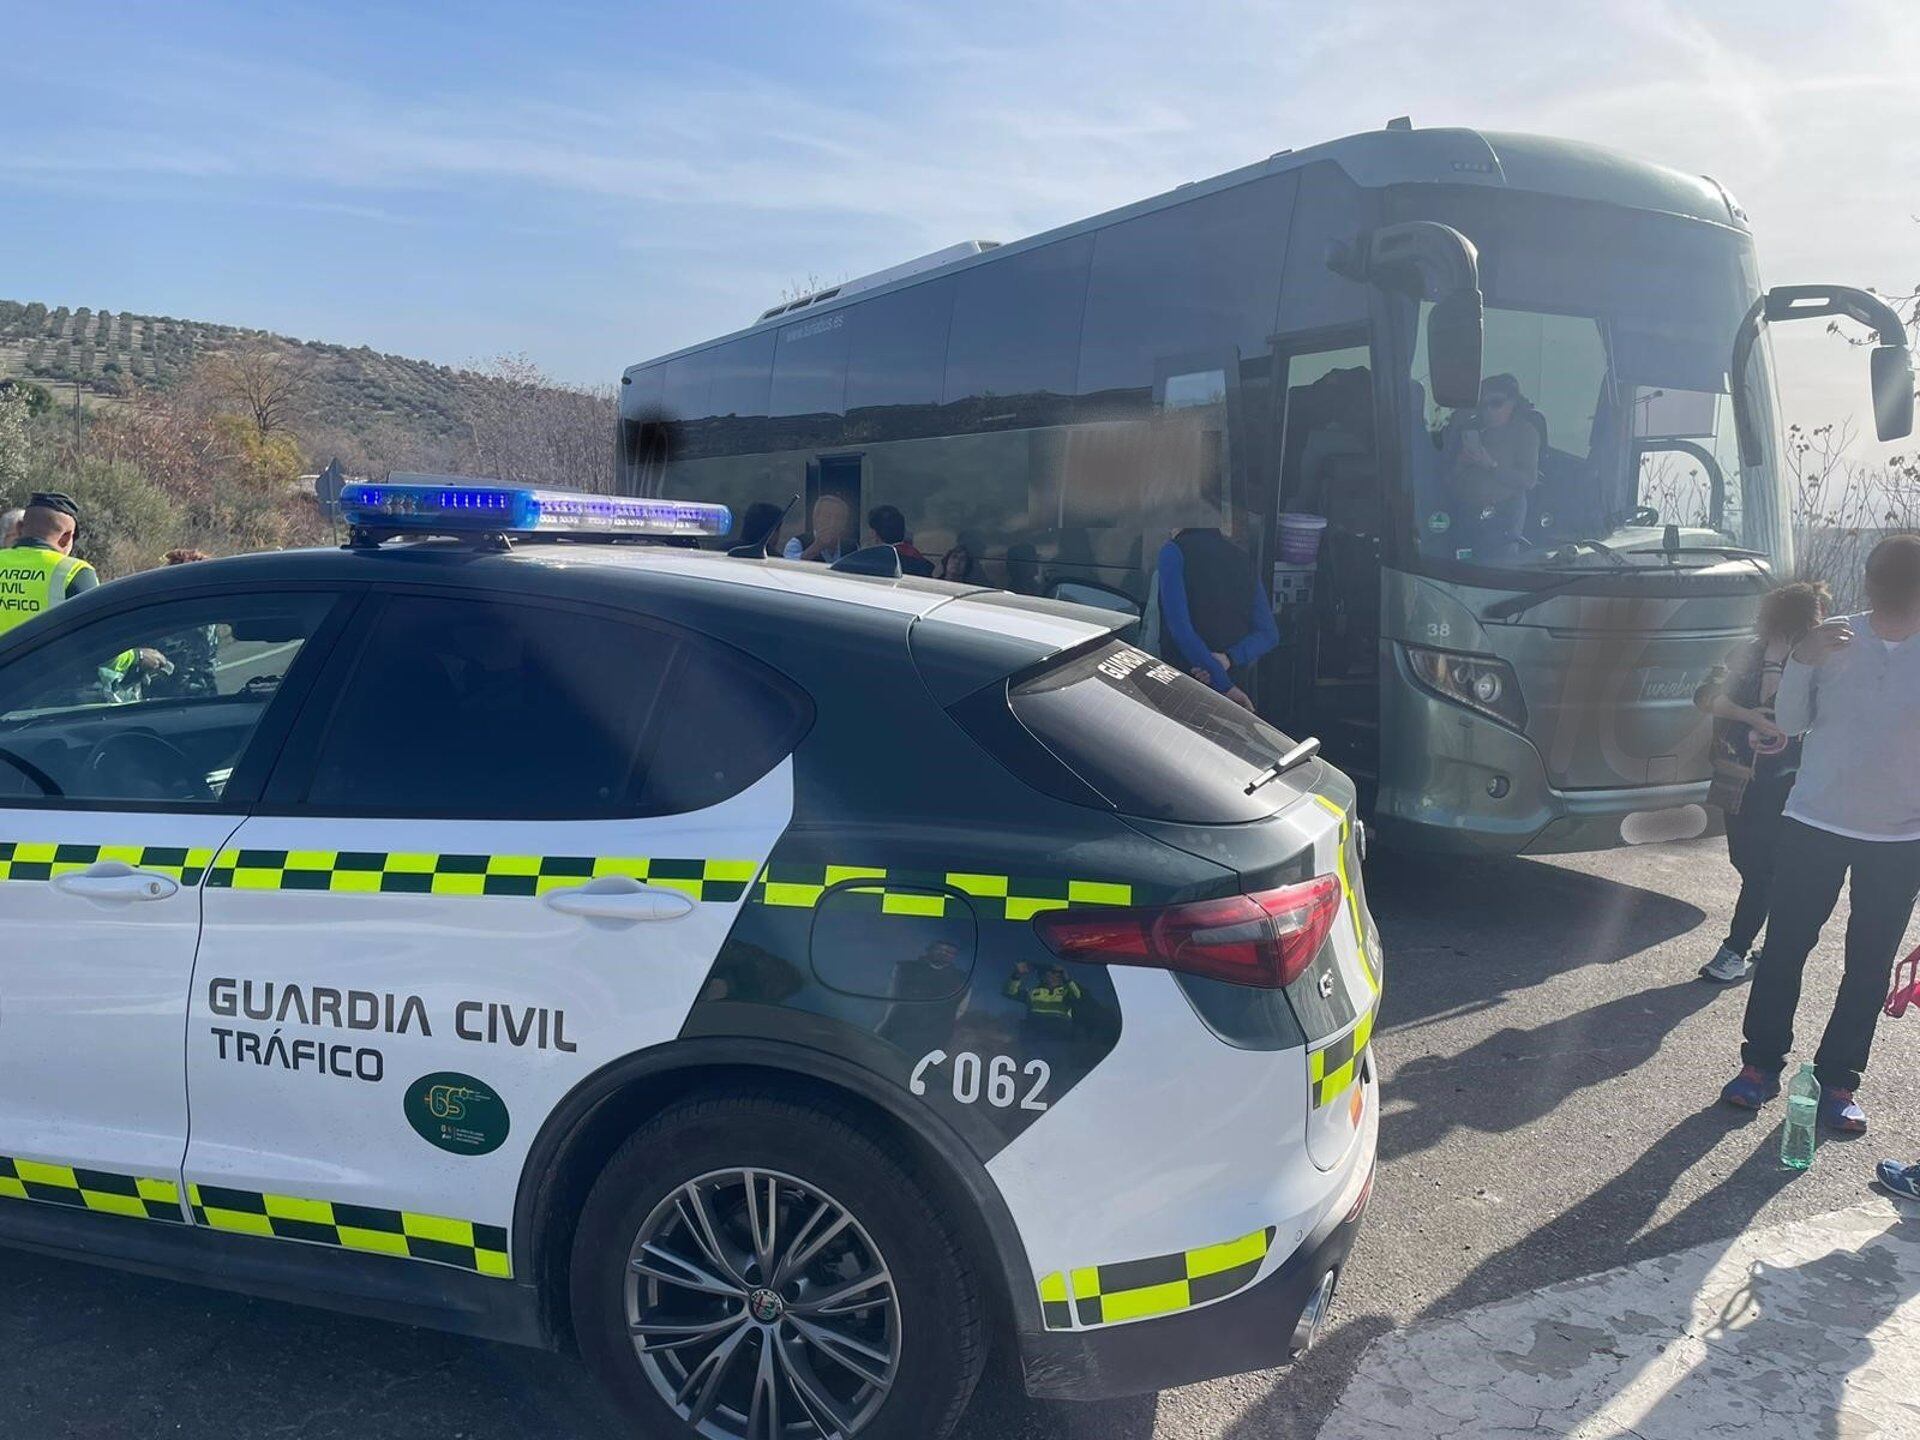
(1802, 1330)
(1549, 1061)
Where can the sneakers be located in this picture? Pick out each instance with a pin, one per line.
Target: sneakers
(1728, 967)
(1751, 1088)
(1900, 1179)
(1840, 1113)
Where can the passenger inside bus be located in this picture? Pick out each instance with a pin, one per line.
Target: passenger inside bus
(757, 527)
(1492, 456)
(889, 527)
(960, 566)
(1023, 569)
(832, 535)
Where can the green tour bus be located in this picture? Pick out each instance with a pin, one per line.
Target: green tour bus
(1308, 335)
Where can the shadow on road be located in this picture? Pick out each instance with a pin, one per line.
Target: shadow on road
(1816, 1321)
(1296, 1399)
(1564, 1248)
(1609, 1220)
(1517, 1075)
(1436, 915)
(1002, 1410)
(223, 1367)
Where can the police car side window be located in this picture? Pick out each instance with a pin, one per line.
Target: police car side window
(154, 705)
(730, 723)
(470, 706)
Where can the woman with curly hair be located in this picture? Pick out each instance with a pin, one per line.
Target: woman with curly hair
(1754, 761)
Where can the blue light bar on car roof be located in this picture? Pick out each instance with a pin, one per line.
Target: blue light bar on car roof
(458, 505)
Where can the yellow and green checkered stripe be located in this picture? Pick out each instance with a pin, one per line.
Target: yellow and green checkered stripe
(1347, 858)
(138, 1197)
(389, 872)
(38, 860)
(918, 892)
(1142, 1289)
(1331, 1071)
(434, 1238)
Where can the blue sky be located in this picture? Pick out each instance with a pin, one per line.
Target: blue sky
(595, 184)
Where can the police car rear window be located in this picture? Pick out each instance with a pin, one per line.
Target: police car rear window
(1150, 739)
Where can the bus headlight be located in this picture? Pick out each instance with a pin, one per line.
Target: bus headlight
(1479, 682)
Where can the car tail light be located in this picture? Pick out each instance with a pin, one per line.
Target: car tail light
(1265, 939)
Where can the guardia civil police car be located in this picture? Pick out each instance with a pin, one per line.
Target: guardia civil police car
(773, 981)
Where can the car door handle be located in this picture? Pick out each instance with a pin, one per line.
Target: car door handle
(614, 897)
(112, 880)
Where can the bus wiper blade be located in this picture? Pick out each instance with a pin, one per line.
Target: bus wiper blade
(1599, 547)
(1732, 552)
(1756, 558)
(1292, 760)
(1517, 605)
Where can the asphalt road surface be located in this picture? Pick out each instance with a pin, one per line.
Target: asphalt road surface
(1549, 1062)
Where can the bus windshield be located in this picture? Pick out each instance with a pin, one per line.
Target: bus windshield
(1605, 436)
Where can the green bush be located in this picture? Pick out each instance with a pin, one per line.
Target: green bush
(127, 523)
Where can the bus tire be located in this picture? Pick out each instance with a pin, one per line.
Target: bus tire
(701, 1319)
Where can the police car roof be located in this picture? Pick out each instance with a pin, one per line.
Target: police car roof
(635, 574)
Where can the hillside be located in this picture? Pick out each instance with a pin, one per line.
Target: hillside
(355, 395)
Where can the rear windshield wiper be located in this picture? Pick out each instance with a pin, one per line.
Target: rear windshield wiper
(1292, 760)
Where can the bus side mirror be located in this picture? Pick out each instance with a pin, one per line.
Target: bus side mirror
(1892, 372)
(1421, 258)
(1455, 330)
(1892, 392)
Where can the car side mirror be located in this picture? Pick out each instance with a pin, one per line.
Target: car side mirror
(1892, 391)
(1455, 333)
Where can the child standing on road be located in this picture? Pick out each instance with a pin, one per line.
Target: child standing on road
(1754, 761)
(1852, 686)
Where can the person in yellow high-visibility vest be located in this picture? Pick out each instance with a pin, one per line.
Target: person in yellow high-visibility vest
(39, 569)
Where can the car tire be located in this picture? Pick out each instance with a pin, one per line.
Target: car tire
(901, 1301)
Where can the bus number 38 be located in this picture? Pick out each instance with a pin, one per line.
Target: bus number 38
(994, 1078)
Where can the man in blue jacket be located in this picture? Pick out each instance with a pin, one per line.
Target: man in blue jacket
(1213, 609)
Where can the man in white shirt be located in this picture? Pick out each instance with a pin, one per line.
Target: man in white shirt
(829, 539)
(1853, 687)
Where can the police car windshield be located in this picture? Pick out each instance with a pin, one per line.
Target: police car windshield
(1152, 741)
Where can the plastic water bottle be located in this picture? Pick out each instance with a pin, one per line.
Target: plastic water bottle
(1803, 1109)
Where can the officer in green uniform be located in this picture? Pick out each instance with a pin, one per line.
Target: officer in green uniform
(39, 570)
(1052, 999)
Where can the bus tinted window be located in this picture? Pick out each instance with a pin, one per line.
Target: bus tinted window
(641, 394)
(1200, 276)
(1016, 328)
(1330, 207)
(740, 372)
(898, 349)
(685, 385)
(810, 366)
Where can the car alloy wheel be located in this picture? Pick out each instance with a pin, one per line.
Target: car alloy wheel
(761, 1309)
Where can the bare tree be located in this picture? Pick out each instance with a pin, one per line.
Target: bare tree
(524, 426)
(262, 381)
(1841, 508)
(811, 285)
